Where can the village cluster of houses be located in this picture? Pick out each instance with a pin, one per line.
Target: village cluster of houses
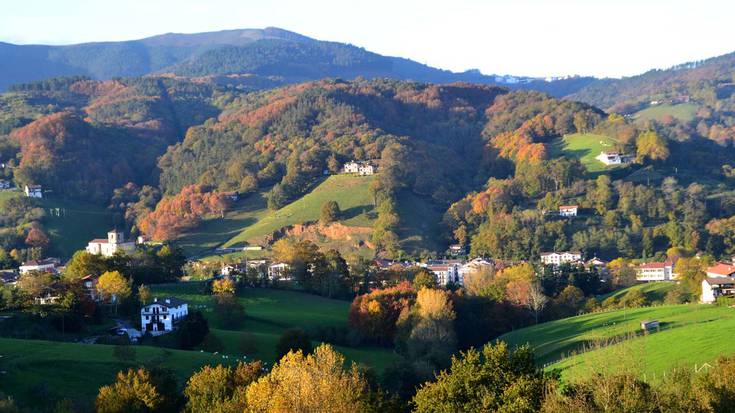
(718, 282)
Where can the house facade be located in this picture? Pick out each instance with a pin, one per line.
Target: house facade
(114, 243)
(568, 210)
(33, 191)
(160, 316)
(445, 271)
(44, 265)
(279, 271)
(712, 288)
(656, 271)
(559, 258)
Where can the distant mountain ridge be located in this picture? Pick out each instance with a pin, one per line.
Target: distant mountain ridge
(270, 52)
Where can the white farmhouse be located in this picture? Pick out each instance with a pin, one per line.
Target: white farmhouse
(160, 316)
(716, 287)
(45, 265)
(656, 271)
(33, 191)
(363, 168)
(612, 158)
(114, 243)
(568, 210)
(558, 258)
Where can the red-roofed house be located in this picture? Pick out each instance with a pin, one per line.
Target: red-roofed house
(721, 270)
(568, 210)
(656, 271)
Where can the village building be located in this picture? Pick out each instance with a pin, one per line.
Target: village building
(279, 271)
(33, 191)
(4, 184)
(456, 250)
(362, 168)
(45, 265)
(559, 258)
(160, 316)
(474, 266)
(714, 287)
(89, 283)
(721, 270)
(656, 271)
(114, 243)
(233, 196)
(445, 271)
(568, 210)
(234, 268)
(595, 262)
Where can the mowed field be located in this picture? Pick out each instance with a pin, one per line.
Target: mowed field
(78, 370)
(251, 220)
(683, 111)
(585, 147)
(690, 334)
(269, 312)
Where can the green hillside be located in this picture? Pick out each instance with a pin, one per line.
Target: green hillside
(654, 291)
(585, 147)
(251, 220)
(689, 334)
(78, 370)
(269, 313)
(683, 111)
(72, 224)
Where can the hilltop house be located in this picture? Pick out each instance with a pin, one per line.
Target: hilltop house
(44, 265)
(612, 158)
(33, 191)
(362, 168)
(160, 316)
(568, 210)
(114, 243)
(4, 184)
(656, 271)
(558, 258)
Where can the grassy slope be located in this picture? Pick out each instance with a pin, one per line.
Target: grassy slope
(270, 312)
(78, 370)
(419, 226)
(584, 147)
(685, 330)
(74, 224)
(655, 291)
(684, 112)
(251, 219)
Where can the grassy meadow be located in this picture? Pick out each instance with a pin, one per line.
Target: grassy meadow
(585, 147)
(269, 312)
(689, 334)
(683, 111)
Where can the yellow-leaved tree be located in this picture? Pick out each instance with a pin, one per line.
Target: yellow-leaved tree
(113, 287)
(316, 382)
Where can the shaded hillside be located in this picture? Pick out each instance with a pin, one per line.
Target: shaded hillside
(288, 57)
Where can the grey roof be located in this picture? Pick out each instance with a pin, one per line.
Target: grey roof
(172, 301)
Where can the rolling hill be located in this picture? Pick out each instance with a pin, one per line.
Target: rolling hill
(690, 334)
(271, 53)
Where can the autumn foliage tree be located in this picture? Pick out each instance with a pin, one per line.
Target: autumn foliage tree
(180, 212)
(375, 314)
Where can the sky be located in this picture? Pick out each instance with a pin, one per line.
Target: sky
(611, 38)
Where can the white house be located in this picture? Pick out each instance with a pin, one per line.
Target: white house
(612, 158)
(558, 258)
(278, 271)
(656, 271)
(721, 270)
(360, 168)
(115, 242)
(568, 210)
(33, 191)
(160, 316)
(445, 271)
(474, 266)
(4, 184)
(45, 265)
(716, 287)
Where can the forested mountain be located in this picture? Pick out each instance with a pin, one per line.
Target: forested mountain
(282, 56)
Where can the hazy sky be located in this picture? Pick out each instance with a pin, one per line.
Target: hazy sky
(522, 37)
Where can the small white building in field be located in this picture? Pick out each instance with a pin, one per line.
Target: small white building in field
(33, 191)
(568, 210)
(114, 243)
(559, 258)
(656, 271)
(160, 316)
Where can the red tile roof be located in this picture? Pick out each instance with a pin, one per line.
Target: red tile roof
(654, 265)
(722, 269)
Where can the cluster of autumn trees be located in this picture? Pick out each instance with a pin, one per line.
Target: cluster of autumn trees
(22, 235)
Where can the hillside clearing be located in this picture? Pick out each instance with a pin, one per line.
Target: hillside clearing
(653, 291)
(269, 312)
(71, 224)
(689, 334)
(684, 112)
(585, 147)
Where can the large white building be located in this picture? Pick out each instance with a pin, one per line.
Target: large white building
(160, 316)
(114, 243)
(656, 271)
(558, 258)
(445, 271)
(33, 191)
